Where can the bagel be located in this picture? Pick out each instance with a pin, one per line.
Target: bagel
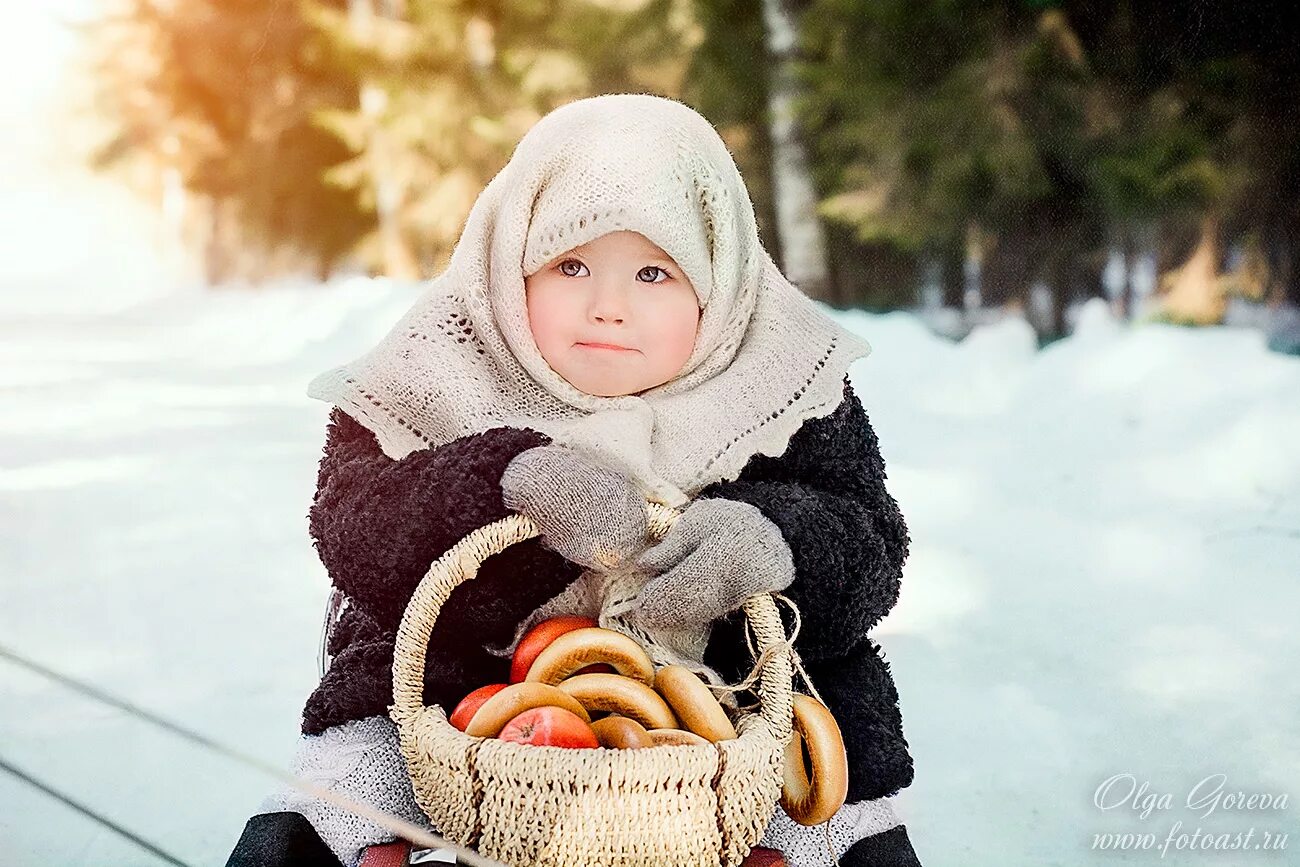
(811, 799)
(591, 644)
(492, 716)
(621, 695)
(693, 703)
(620, 732)
(676, 738)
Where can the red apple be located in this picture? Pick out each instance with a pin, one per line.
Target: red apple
(536, 639)
(550, 727)
(464, 711)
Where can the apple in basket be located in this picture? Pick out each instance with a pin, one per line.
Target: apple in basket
(464, 711)
(550, 727)
(536, 640)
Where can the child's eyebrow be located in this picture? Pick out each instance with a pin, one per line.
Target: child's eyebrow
(655, 258)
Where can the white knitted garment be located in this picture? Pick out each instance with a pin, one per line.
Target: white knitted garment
(823, 845)
(359, 760)
(463, 358)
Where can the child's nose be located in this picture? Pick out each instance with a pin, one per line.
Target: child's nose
(609, 304)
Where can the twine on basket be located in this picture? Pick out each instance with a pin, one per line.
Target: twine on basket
(760, 659)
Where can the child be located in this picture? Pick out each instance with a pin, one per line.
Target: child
(609, 331)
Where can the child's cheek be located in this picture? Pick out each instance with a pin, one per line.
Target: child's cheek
(545, 317)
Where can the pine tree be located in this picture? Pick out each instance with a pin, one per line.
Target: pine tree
(219, 94)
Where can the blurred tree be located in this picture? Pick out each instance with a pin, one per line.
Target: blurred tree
(1047, 128)
(214, 100)
(803, 242)
(1004, 143)
(731, 79)
(311, 131)
(1205, 122)
(726, 80)
(918, 115)
(1165, 154)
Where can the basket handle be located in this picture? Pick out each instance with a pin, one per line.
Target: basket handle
(461, 562)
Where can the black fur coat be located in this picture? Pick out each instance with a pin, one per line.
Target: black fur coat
(378, 524)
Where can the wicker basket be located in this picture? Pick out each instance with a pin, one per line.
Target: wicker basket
(539, 806)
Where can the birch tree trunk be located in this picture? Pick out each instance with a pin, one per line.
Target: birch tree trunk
(802, 241)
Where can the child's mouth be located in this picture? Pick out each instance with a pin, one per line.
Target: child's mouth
(609, 346)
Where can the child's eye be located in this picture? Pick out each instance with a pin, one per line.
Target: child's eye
(651, 269)
(565, 271)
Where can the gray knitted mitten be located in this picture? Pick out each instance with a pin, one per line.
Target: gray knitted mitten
(588, 513)
(718, 554)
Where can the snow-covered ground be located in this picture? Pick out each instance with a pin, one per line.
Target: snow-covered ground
(1103, 579)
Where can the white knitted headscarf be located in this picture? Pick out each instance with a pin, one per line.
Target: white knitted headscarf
(463, 358)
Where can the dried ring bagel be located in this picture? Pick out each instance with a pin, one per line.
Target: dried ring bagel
(694, 704)
(491, 718)
(622, 733)
(811, 799)
(621, 695)
(579, 648)
(676, 738)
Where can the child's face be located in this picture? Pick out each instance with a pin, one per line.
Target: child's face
(618, 289)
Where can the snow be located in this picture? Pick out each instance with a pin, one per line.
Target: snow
(1102, 578)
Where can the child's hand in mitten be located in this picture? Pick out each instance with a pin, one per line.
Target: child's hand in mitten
(718, 554)
(588, 513)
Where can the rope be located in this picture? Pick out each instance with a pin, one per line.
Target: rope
(393, 824)
(779, 647)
